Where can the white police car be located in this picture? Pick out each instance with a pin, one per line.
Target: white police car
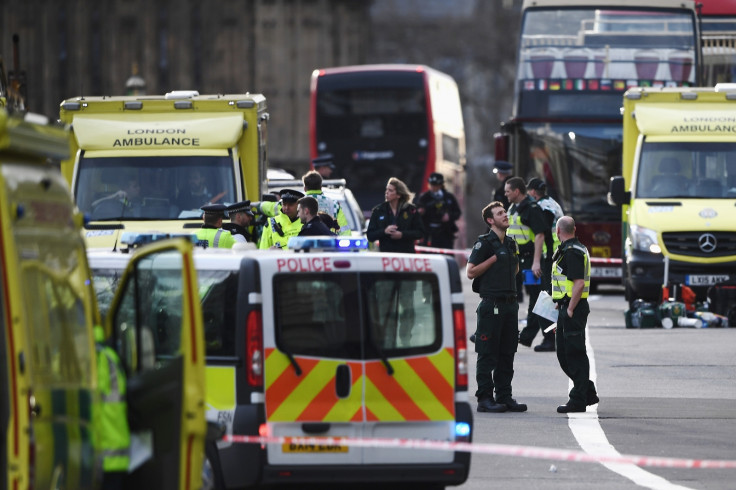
(336, 190)
(319, 342)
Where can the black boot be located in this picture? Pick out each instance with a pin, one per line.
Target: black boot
(547, 345)
(488, 405)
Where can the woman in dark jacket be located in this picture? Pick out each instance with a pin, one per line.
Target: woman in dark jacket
(396, 222)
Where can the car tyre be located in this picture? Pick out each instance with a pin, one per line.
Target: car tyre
(211, 471)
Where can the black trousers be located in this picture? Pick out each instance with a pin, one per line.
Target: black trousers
(496, 343)
(535, 323)
(571, 352)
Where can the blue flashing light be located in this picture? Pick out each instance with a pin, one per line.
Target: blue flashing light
(462, 429)
(328, 243)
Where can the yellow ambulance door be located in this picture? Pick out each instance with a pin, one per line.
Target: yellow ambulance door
(5, 382)
(156, 323)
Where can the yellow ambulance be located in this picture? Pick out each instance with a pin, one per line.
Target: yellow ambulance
(678, 189)
(150, 162)
(48, 376)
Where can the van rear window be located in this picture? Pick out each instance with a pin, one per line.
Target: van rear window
(357, 316)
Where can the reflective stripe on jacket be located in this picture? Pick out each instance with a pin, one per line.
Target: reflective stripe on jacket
(111, 412)
(289, 228)
(518, 230)
(216, 237)
(561, 285)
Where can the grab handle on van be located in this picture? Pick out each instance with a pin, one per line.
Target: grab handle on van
(343, 381)
(315, 428)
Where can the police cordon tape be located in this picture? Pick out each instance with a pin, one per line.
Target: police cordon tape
(498, 449)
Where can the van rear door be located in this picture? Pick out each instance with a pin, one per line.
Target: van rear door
(156, 323)
(409, 362)
(313, 369)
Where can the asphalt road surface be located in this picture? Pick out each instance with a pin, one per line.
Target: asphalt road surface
(664, 393)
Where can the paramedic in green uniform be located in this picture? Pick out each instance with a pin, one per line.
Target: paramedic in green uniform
(492, 267)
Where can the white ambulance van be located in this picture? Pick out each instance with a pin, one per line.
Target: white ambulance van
(316, 343)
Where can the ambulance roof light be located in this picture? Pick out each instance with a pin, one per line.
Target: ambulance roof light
(136, 239)
(725, 87)
(181, 94)
(71, 106)
(328, 243)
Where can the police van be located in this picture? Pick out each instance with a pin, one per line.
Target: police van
(322, 341)
(48, 370)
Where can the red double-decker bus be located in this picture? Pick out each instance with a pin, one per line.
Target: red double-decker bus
(382, 121)
(576, 58)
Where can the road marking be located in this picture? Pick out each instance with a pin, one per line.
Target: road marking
(590, 436)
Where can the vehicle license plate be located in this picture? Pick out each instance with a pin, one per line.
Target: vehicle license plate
(705, 279)
(605, 271)
(290, 447)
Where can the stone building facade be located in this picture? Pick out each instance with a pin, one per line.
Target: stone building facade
(91, 47)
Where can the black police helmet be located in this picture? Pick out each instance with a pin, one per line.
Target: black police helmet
(536, 184)
(436, 178)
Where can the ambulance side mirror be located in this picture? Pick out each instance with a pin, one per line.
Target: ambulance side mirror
(617, 193)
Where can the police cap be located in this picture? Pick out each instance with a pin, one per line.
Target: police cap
(290, 195)
(536, 184)
(502, 166)
(436, 178)
(323, 161)
(240, 207)
(214, 209)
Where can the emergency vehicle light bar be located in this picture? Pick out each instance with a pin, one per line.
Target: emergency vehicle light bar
(328, 243)
(133, 239)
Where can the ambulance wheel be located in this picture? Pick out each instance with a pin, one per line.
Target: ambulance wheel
(211, 471)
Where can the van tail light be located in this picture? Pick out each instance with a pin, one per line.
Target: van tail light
(254, 348)
(461, 349)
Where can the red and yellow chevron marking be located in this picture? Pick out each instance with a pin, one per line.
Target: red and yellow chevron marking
(421, 388)
(310, 397)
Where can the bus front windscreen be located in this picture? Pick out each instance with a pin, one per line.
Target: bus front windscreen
(576, 161)
(589, 52)
(153, 188)
(375, 125)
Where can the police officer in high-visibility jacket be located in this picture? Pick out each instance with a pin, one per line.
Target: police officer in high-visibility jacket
(285, 224)
(527, 227)
(552, 211)
(211, 231)
(112, 433)
(570, 288)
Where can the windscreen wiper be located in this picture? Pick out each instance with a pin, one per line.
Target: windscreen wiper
(384, 359)
(297, 368)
